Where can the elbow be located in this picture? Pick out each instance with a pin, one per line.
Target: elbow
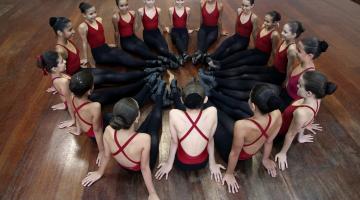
(145, 169)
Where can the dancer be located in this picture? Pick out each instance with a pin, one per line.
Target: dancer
(211, 12)
(92, 33)
(131, 149)
(179, 17)
(266, 43)
(312, 87)
(192, 144)
(246, 26)
(251, 134)
(150, 17)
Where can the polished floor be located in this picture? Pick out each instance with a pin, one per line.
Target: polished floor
(39, 161)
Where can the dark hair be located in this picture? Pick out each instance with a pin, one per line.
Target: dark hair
(296, 27)
(58, 23)
(125, 112)
(313, 45)
(318, 84)
(47, 60)
(265, 98)
(81, 82)
(193, 95)
(83, 6)
(251, 2)
(276, 17)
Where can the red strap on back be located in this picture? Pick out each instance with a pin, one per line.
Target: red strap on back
(76, 110)
(121, 148)
(263, 131)
(194, 125)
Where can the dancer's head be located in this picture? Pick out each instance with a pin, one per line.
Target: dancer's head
(247, 5)
(123, 5)
(264, 99)
(82, 83)
(272, 19)
(310, 48)
(292, 30)
(125, 113)
(62, 27)
(88, 11)
(315, 84)
(149, 3)
(51, 62)
(193, 95)
(179, 3)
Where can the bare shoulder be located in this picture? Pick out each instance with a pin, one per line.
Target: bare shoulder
(108, 132)
(275, 34)
(239, 11)
(96, 106)
(292, 48)
(175, 113)
(254, 17)
(210, 110)
(158, 9)
(141, 11)
(242, 126)
(302, 114)
(171, 9)
(277, 117)
(116, 16)
(83, 26)
(132, 12)
(99, 19)
(187, 9)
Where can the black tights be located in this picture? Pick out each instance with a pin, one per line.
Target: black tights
(246, 57)
(151, 125)
(115, 56)
(111, 95)
(154, 39)
(136, 46)
(239, 95)
(257, 72)
(230, 102)
(229, 46)
(207, 35)
(180, 37)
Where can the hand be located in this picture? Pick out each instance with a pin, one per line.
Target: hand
(281, 158)
(197, 29)
(215, 172)
(166, 29)
(233, 186)
(84, 61)
(73, 130)
(52, 90)
(224, 33)
(59, 106)
(66, 124)
(91, 178)
(190, 31)
(153, 196)
(112, 45)
(313, 128)
(270, 166)
(99, 158)
(164, 170)
(302, 138)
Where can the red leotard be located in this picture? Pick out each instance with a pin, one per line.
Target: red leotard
(150, 24)
(288, 115)
(264, 43)
(72, 61)
(210, 19)
(182, 155)
(179, 22)
(96, 38)
(291, 87)
(121, 150)
(280, 61)
(90, 132)
(126, 29)
(243, 154)
(52, 80)
(245, 29)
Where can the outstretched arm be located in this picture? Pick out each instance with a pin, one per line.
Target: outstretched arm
(166, 167)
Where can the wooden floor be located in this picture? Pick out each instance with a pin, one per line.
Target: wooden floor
(39, 161)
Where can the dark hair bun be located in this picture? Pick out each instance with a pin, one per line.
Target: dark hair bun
(323, 46)
(273, 103)
(330, 88)
(118, 122)
(52, 21)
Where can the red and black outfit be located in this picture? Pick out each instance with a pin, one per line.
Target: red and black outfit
(72, 60)
(103, 54)
(209, 29)
(237, 42)
(179, 32)
(153, 37)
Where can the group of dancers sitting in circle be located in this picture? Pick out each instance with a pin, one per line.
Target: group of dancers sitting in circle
(238, 105)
